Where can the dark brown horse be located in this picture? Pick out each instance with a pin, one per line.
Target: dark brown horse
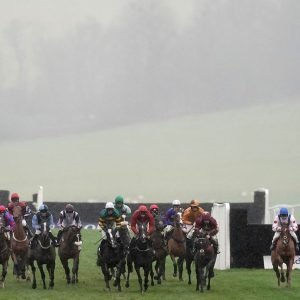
(205, 259)
(177, 247)
(160, 253)
(4, 252)
(284, 253)
(69, 248)
(19, 244)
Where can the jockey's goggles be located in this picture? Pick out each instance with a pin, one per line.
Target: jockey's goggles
(284, 216)
(69, 211)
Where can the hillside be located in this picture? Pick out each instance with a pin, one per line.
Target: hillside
(222, 156)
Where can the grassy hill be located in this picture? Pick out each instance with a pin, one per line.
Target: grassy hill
(221, 156)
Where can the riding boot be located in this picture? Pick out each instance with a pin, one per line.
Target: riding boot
(33, 241)
(59, 235)
(215, 245)
(53, 239)
(296, 246)
(273, 246)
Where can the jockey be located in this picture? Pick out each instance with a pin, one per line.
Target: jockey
(142, 215)
(189, 217)
(170, 217)
(109, 219)
(284, 218)
(43, 215)
(9, 222)
(154, 210)
(69, 217)
(122, 208)
(208, 225)
(15, 201)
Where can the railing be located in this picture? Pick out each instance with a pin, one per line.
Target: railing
(293, 209)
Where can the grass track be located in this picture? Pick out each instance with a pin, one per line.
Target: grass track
(250, 284)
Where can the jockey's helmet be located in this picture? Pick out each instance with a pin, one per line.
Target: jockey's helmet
(109, 205)
(119, 199)
(195, 203)
(143, 209)
(176, 203)
(14, 197)
(154, 207)
(43, 208)
(283, 212)
(2, 209)
(69, 208)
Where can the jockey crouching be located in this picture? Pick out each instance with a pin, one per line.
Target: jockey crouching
(141, 216)
(188, 218)
(109, 219)
(8, 223)
(288, 219)
(69, 217)
(170, 218)
(42, 216)
(209, 226)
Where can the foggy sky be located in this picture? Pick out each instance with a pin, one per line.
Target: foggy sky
(68, 66)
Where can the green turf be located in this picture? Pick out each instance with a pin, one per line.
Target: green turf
(235, 284)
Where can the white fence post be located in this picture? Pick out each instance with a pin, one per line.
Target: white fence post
(221, 212)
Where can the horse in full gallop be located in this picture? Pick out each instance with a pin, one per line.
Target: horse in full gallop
(205, 259)
(141, 256)
(4, 252)
(160, 253)
(19, 244)
(284, 253)
(69, 248)
(111, 258)
(43, 252)
(177, 247)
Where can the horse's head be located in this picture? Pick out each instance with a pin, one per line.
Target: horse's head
(285, 234)
(142, 233)
(17, 213)
(70, 234)
(111, 237)
(202, 243)
(177, 220)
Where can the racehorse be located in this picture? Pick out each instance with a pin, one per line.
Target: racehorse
(4, 252)
(112, 258)
(19, 244)
(177, 247)
(284, 253)
(205, 259)
(160, 253)
(68, 249)
(43, 251)
(141, 256)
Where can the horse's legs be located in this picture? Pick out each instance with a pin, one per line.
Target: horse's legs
(51, 268)
(33, 269)
(289, 272)
(42, 274)
(129, 269)
(174, 265)
(107, 277)
(140, 280)
(282, 277)
(152, 273)
(146, 276)
(180, 266)
(188, 263)
(202, 279)
(4, 272)
(75, 270)
(65, 264)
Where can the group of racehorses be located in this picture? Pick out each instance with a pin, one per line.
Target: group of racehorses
(149, 255)
(24, 255)
(120, 251)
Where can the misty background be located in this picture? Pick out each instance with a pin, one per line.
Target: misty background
(125, 89)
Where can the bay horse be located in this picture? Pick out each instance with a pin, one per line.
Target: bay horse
(141, 256)
(205, 259)
(43, 252)
(68, 249)
(19, 244)
(4, 252)
(160, 253)
(284, 253)
(177, 247)
(112, 258)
